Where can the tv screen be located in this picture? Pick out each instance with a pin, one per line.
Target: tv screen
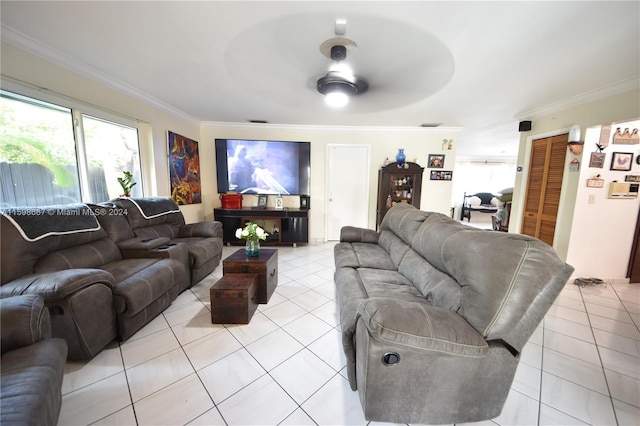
(263, 167)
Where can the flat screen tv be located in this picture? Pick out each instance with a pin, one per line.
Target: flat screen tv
(263, 167)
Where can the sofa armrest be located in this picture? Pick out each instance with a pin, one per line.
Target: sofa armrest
(24, 320)
(58, 284)
(142, 247)
(421, 327)
(179, 251)
(201, 229)
(352, 234)
(142, 243)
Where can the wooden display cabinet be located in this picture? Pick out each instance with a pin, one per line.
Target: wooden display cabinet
(398, 185)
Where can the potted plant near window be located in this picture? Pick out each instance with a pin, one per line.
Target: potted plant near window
(127, 183)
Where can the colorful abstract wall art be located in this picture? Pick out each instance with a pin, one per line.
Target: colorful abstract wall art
(184, 169)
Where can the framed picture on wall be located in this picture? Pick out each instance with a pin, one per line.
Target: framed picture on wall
(597, 160)
(184, 169)
(621, 161)
(305, 202)
(441, 175)
(436, 161)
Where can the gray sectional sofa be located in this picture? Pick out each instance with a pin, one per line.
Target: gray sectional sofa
(99, 279)
(435, 314)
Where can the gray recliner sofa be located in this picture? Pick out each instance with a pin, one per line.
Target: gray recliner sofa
(155, 217)
(32, 363)
(93, 291)
(435, 314)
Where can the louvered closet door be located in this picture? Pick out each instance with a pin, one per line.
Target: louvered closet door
(544, 186)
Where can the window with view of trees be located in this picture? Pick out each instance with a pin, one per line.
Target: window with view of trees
(44, 162)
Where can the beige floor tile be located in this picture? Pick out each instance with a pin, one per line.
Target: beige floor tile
(137, 351)
(297, 338)
(95, 401)
(230, 374)
(302, 375)
(262, 402)
(157, 373)
(176, 404)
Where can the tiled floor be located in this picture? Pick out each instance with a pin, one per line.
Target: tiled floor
(582, 366)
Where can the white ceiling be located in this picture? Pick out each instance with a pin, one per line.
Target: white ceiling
(482, 66)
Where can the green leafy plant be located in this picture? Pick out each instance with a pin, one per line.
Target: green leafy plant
(126, 183)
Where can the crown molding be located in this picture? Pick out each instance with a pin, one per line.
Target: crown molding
(331, 128)
(48, 53)
(593, 95)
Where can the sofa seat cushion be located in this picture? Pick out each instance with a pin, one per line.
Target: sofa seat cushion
(420, 326)
(362, 255)
(201, 250)
(391, 284)
(31, 381)
(355, 285)
(141, 281)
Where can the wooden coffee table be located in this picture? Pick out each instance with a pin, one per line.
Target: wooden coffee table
(265, 265)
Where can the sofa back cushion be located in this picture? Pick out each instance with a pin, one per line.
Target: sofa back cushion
(162, 219)
(19, 255)
(437, 287)
(393, 245)
(403, 220)
(113, 220)
(90, 255)
(508, 281)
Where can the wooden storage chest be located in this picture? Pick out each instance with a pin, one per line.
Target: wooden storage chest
(265, 265)
(233, 299)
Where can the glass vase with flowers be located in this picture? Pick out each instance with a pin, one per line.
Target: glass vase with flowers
(252, 234)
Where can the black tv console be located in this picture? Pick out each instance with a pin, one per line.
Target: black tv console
(290, 226)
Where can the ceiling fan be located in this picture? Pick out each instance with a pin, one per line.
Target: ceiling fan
(340, 83)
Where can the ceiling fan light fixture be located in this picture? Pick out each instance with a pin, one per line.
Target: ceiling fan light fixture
(339, 83)
(343, 69)
(336, 99)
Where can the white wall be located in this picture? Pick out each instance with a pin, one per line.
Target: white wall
(603, 228)
(384, 142)
(569, 238)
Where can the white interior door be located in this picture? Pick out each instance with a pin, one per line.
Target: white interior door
(347, 188)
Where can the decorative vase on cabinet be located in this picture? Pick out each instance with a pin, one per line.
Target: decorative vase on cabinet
(398, 185)
(400, 158)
